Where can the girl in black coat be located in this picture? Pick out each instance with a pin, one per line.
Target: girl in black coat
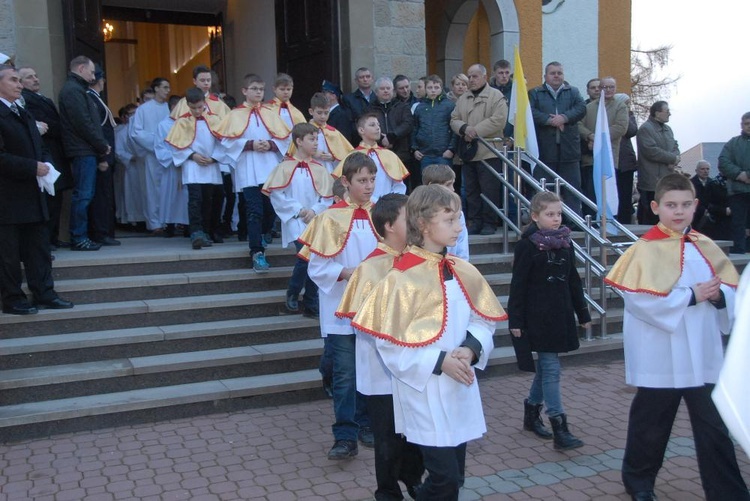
(546, 295)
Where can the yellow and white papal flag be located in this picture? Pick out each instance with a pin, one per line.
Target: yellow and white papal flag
(519, 113)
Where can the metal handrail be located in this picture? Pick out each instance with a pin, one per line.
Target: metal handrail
(594, 269)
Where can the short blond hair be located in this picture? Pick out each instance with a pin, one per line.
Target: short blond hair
(425, 203)
(438, 174)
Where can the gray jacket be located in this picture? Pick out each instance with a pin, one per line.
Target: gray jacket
(657, 153)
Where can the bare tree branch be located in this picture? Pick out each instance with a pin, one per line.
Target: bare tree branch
(645, 87)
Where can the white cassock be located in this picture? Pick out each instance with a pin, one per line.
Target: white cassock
(142, 129)
(669, 344)
(174, 196)
(203, 144)
(251, 168)
(461, 249)
(287, 203)
(731, 395)
(383, 183)
(325, 273)
(130, 207)
(436, 410)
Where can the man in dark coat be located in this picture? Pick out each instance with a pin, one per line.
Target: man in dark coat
(396, 120)
(43, 110)
(557, 108)
(339, 117)
(84, 142)
(24, 236)
(358, 101)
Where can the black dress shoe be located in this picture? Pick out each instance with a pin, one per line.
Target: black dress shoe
(108, 242)
(343, 449)
(54, 304)
(644, 496)
(20, 309)
(366, 438)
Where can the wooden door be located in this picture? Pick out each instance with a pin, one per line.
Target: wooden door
(82, 21)
(307, 45)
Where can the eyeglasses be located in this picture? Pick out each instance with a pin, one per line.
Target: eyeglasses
(608, 87)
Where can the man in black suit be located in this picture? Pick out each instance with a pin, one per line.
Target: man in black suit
(44, 111)
(24, 236)
(339, 117)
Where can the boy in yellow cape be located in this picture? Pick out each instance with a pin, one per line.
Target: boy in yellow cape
(202, 81)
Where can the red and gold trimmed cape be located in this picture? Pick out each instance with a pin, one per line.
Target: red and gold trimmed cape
(182, 133)
(328, 232)
(298, 117)
(216, 105)
(237, 121)
(367, 275)
(392, 165)
(337, 144)
(409, 306)
(283, 173)
(654, 263)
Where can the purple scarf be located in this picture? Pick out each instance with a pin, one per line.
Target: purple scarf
(551, 239)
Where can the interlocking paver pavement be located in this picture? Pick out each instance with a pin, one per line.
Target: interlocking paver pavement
(279, 454)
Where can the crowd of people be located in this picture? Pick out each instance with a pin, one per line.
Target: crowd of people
(405, 317)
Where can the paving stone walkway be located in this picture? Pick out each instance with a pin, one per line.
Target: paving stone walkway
(278, 454)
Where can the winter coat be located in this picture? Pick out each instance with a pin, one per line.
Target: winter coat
(546, 295)
(628, 161)
(487, 112)
(617, 117)
(79, 118)
(432, 133)
(657, 153)
(569, 103)
(733, 160)
(396, 122)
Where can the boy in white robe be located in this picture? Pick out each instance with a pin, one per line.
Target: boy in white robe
(280, 105)
(444, 175)
(679, 294)
(194, 148)
(391, 171)
(173, 203)
(438, 326)
(335, 242)
(299, 189)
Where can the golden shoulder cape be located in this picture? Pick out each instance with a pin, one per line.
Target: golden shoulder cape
(282, 175)
(216, 105)
(236, 122)
(392, 165)
(408, 307)
(275, 105)
(182, 133)
(653, 264)
(328, 232)
(335, 140)
(365, 278)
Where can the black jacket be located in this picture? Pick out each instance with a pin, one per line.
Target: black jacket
(546, 295)
(396, 122)
(107, 129)
(21, 148)
(357, 103)
(43, 109)
(341, 119)
(81, 133)
(432, 133)
(556, 146)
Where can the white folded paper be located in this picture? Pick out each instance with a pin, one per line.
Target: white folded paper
(47, 183)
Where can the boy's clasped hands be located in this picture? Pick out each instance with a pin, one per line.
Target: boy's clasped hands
(710, 290)
(458, 365)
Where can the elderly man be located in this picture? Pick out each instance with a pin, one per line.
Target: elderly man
(480, 112)
(658, 155)
(24, 236)
(84, 142)
(43, 110)
(734, 164)
(395, 118)
(700, 181)
(617, 117)
(557, 108)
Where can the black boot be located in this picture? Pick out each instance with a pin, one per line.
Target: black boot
(532, 420)
(564, 440)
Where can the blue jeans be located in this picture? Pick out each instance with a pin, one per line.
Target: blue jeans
(260, 216)
(301, 279)
(349, 407)
(546, 385)
(430, 160)
(84, 179)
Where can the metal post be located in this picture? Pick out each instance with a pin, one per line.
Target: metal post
(587, 269)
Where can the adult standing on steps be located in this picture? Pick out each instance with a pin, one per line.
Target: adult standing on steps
(84, 142)
(24, 236)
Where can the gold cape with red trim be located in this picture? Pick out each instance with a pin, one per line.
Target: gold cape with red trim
(216, 105)
(653, 264)
(328, 232)
(393, 166)
(408, 307)
(282, 174)
(182, 133)
(365, 278)
(337, 144)
(236, 122)
(297, 116)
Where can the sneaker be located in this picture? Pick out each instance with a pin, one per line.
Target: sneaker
(343, 449)
(366, 438)
(292, 303)
(85, 245)
(196, 240)
(260, 265)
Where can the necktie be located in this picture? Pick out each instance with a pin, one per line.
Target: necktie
(14, 109)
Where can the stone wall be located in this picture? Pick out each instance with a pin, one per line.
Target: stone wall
(7, 28)
(399, 38)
